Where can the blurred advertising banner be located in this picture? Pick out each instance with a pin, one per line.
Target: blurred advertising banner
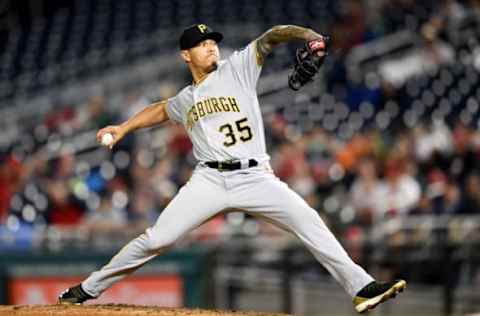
(160, 290)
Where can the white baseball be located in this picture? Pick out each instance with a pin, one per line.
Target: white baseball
(107, 139)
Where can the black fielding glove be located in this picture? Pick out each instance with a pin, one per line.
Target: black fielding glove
(308, 61)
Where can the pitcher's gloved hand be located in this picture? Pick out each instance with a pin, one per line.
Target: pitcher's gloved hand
(308, 61)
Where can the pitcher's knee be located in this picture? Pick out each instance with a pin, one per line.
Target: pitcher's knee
(156, 241)
(309, 216)
(160, 242)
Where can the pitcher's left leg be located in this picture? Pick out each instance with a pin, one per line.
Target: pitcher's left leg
(273, 199)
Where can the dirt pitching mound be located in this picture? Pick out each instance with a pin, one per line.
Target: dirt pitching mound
(115, 310)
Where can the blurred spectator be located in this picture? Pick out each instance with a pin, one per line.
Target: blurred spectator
(11, 174)
(288, 161)
(93, 114)
(106, 218)
(470, 203)
(97, 113)
(278, 130)
(179, 143)
(430, 140)
(366, 192)
(400, 192)
(423, 207)
(453, 199)
(64, 209)
(143, 210)
(464, 160)
(5, 187)
(357, 148)
(61, 120)
(442, 194)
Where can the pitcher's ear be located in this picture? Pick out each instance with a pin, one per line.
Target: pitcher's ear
(185, 55)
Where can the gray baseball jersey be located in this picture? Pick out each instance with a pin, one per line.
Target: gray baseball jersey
(221, 114)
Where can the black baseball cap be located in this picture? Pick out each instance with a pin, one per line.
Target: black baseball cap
(196, 33)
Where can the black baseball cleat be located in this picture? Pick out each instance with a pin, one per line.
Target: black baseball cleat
(74, 295)
(375, 293)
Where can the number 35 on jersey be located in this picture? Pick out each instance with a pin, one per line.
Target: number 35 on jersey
(238, 130)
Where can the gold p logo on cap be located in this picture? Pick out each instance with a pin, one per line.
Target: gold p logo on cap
(202, 28)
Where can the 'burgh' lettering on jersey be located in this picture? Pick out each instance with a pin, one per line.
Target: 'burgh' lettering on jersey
(221, 114)
(209, 106)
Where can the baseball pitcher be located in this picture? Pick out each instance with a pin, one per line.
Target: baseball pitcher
(221, 114)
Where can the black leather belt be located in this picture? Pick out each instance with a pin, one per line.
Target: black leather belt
(230, 165)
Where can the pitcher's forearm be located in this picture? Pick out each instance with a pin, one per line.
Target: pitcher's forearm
(285, 33)
(152, 115)
(282, 34)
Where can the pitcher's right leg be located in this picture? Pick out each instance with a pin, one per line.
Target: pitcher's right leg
(200, 199)
(272, 198)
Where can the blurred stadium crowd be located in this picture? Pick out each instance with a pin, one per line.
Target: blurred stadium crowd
(364, 150)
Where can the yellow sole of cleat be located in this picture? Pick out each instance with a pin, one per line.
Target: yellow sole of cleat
(68, 303)
(375, 301)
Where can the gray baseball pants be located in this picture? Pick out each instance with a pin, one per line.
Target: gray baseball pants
(255, 190)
